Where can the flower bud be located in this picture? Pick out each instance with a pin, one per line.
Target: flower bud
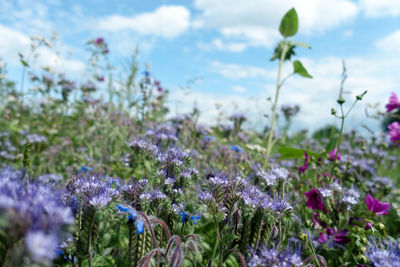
(333, 111)
(361, 259)
(341, 100)
(303, 237)
(380, 226)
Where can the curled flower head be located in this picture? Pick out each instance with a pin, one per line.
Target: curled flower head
(393, 103)
(383, 252)
(376, 206)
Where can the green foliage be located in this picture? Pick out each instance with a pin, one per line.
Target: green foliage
(291, 152)
(298, 68)
(289, 24)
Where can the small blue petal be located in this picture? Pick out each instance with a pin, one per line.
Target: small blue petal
(195, 218)
(132, 216)
(184, 217)
(139, 227)
(122, 208)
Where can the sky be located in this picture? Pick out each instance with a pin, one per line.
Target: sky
(221, 50)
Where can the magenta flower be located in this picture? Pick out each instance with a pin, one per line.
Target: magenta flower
(99, 40)
(376, 206)
(332, 155)
(394, 132)
(341, 237)
(393, 103)
(314, 200)
(303, 168)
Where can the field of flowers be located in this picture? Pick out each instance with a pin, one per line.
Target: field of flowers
(110, 181)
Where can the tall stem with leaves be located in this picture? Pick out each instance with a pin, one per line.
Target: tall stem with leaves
(283, 52)
(343, 115)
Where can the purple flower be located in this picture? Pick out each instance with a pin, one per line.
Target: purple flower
(376, 206)
(383, 252)
(394, 132)
(99, 40)
(393, 103)
(314, 199)
(42, 247)
(332, 155)
(291, 256)
(303, 168)
(341, 237)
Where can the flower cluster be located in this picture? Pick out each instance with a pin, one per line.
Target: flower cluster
(34, 212)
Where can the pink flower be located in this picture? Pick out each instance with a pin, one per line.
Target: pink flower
(99, 40)
(394, 132)
(376, 206)
(393, 103)
(332, 155)
(303, 168)
(314, 200)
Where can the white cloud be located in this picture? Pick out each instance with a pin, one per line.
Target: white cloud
(390, 43)
(257, 21)
(48, 58)
(165, 21)
(380, 8)
(315, 96)
(235, 71)
(348, 33)
(239, 89)
(14, 42)
(218, 44)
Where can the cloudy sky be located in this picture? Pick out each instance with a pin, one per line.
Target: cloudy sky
(224, 46)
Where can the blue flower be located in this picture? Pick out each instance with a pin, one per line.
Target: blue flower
(132, 217)
(131, 214)
(236, 148)
(194, 219)
(146, 73)
(139, 227)
(85, 169)
(184, 217)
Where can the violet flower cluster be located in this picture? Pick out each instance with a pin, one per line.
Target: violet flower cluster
(35, 214)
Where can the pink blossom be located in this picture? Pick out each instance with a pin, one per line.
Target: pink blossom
(394, 132)
(332, 155)
(314, 200)
(393, 103)
(303, 168)
(99, 40)
(376, 206)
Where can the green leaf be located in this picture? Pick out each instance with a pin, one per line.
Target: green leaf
(289, 23)
(299, 69)
(302, 45)
(291, 152)
(24, 63)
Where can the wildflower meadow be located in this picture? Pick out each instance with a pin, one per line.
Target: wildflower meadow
(92, 175)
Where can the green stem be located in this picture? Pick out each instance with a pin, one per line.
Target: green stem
(278, 86)
(339, 140)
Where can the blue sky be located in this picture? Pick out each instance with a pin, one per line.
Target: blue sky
(228, 44)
